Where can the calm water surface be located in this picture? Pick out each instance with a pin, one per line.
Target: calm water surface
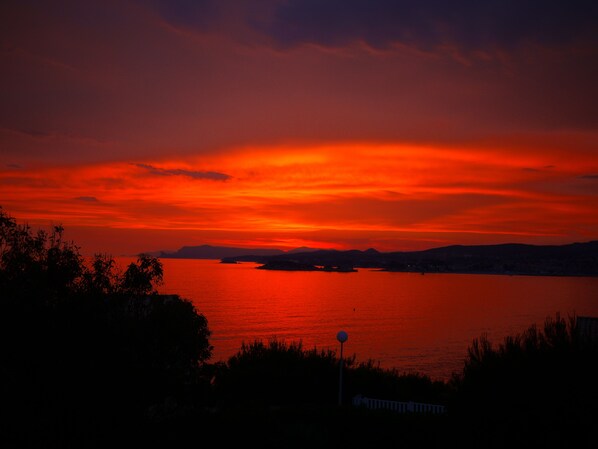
(409, 321)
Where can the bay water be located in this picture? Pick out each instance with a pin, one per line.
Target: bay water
(409, 321)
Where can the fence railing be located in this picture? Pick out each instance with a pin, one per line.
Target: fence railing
(396, 406)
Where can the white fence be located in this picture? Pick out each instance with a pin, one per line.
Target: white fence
(399, 407)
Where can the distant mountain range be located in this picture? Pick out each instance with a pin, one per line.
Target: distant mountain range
(576, 259)
(225, 252)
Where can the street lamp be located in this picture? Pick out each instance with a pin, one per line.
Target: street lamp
(341, 337)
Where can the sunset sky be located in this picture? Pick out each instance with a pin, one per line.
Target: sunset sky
(399, 125)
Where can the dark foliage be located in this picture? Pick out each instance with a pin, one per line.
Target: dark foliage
(370, 380)
(279, 373)
(89, 352)
(538, 388)
(325, 427)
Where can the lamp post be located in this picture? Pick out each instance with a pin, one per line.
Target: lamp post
(341, 337)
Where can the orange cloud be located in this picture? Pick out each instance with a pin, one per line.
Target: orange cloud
(329, 195)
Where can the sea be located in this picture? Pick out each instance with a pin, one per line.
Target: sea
(416, 323)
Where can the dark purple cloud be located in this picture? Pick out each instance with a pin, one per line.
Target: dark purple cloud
(87, 199)
(467, 24)
(470, 24)
(214, 176)
(191, 13)
(538, 169)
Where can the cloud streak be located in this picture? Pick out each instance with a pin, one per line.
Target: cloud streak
(193, 174)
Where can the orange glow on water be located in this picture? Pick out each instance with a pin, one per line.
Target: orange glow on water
(404, 320)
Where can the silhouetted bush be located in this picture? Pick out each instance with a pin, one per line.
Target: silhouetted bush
(277, 373)
(370, 380)
(280, 373)
(538, 387)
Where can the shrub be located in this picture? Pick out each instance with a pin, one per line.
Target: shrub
(538, 387)
(280, 373)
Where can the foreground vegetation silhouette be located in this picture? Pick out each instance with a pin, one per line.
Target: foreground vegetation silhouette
(279, 373)
(93, 356)
(85, 347)
(539, 387)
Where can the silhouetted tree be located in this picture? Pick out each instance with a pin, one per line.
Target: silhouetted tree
(141, 278)
(87, 350)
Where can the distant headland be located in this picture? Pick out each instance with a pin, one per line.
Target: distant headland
(575, 259)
